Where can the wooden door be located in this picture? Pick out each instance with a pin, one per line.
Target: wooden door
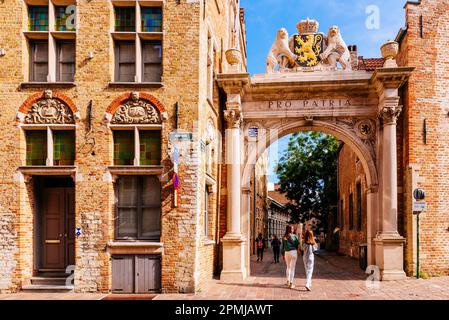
(58, 228)
(148, 273)
(53, 229)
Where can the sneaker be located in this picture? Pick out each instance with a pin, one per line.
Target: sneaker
(292, 286)
(308, 288)
(288, 284)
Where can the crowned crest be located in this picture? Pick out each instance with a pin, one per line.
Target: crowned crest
(307, 26)
(308, 50)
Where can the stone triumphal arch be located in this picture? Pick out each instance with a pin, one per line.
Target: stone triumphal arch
(315, 91)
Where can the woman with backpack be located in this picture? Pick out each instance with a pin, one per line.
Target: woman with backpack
(290, 245)
(260, 245)
(308, 258)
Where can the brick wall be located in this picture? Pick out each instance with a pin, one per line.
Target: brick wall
(425, 47)
(187, 260)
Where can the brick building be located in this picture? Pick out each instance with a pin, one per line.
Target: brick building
(423, 141)
(112, 129)
(278, 216)
(259, 187)
(90, 93)
(422, 144)
(351, 218)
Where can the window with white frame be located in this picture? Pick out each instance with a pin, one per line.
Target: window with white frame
(137, 38)
(51, 33)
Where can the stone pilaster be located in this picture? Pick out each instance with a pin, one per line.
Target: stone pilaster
(234, 241)
(388, 243)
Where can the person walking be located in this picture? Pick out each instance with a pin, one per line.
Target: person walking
(290, 244)
(310, 246)
(276, 245)
(260, 245)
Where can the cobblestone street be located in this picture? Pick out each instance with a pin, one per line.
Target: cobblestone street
(335, 278)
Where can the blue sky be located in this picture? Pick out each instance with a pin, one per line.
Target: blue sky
(265, 17)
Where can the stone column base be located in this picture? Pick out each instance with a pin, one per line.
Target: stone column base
(233, 258)
(390, 257)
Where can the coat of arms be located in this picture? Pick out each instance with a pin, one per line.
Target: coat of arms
(308, 48)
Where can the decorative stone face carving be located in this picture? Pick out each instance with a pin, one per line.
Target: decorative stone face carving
(49, 111)
(136, 111)
(233, 118)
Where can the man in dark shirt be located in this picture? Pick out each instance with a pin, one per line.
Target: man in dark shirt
(276, 245)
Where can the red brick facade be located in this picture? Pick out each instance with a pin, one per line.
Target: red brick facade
(425, 145)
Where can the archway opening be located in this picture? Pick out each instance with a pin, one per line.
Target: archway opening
(339, 211)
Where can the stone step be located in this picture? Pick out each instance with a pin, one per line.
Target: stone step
(58, 281)
(52, 275)
(46, 288)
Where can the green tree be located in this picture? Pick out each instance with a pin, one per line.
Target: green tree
(308, 176)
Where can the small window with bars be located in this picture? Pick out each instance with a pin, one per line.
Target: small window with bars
(125, 19)
(38, 18)
(151, 19)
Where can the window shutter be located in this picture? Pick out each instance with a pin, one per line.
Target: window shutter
(39, 61)
(126, 55)
(152, 61)
(66, 61)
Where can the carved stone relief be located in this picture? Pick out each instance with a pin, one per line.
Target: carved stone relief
(136, 111)
(49, 111)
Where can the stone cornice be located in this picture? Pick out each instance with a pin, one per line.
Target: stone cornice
(391, 77)
(233, 83)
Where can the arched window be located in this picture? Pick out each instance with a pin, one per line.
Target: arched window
(48, 122)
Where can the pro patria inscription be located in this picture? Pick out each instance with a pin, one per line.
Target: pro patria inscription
(297, 104)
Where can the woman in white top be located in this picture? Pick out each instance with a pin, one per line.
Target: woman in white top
(309, 258)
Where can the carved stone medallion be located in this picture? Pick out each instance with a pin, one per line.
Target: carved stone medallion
(365, 129)
(49, 111)
(135, 111)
